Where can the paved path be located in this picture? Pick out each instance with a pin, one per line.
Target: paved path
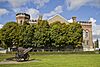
(15, 62)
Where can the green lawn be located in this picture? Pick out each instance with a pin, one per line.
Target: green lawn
(70, 60)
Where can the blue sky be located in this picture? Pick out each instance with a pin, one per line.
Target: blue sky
(83, 9)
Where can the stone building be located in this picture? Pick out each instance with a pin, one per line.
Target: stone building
(87, 35)
(22, 18)
(87, 27)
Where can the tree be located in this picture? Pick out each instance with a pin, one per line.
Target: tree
(75, 35)
(8, 34)
(58, 34)
(41, 35)
(63, 35)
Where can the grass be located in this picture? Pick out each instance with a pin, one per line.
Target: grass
(3, 56)
(68, 60)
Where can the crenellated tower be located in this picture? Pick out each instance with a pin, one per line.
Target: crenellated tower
(22, 18)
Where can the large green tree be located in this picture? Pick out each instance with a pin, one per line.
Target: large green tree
(58, 32)
(26, 34)
(75, 35)
(41, 35)
(56, 35)
(8, 34)
(63, 35)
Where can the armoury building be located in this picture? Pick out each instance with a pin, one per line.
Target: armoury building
(87, 44)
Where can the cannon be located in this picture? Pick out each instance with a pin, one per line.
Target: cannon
(22, 54)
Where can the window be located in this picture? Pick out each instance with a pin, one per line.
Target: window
(86, 34)
(21, 22)
(87, 42)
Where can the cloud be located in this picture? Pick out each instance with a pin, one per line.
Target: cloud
(95, 3)
(2, 0)
(40, 3)
(34, 13)
(70, 21)
(95, 29)
(15, 3)
(1, 25)
(18, 3)
(96, 32)
(20, 10)
(57, 10)
(93, 21)
(3, 11)
(76, 4)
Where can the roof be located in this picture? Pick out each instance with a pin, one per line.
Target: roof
(57, 17)
(22, 14)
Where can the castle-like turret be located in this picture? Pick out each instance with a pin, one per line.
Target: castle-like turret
(22, 18)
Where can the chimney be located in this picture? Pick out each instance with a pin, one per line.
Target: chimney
(74, 19)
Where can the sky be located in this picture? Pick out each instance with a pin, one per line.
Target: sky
(85, 10)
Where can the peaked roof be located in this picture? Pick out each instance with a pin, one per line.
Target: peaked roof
(57, 17)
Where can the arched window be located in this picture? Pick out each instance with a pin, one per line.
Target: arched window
(21, 22)
(86, 33)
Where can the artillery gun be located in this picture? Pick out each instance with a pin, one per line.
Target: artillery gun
(22, 54)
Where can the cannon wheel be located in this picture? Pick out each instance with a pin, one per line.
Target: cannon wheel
(26, 56)
(18, 58)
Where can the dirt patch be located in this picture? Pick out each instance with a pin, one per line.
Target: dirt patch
(15, 62)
